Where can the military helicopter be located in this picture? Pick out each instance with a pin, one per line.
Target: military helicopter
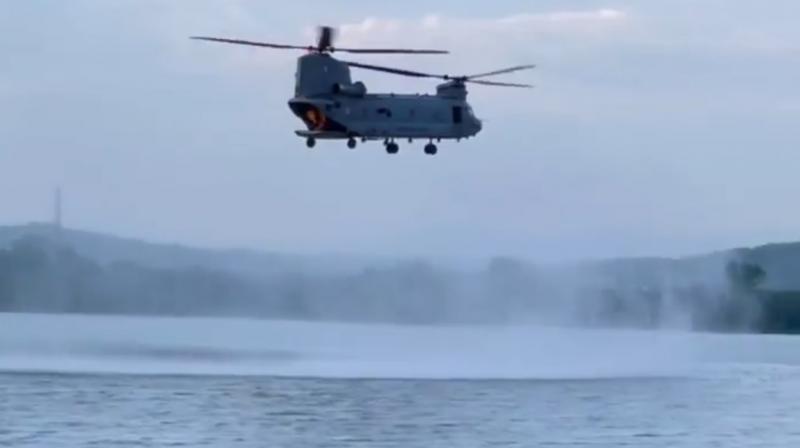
(334, 107)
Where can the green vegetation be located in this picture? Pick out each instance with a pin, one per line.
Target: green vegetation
(775, 311)
(39, 275)
(780, 312)
(42, 272)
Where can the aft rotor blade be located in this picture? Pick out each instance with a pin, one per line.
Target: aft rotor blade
(252, 43)
(501, 71)
(396, 71)
(388, 51)
(325, 37)
(501, 84)
(415, 74)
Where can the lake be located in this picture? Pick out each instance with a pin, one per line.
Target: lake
(68, 380)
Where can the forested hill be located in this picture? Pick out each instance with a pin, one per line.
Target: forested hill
(781, 260)
(103, 248)
(60, 270)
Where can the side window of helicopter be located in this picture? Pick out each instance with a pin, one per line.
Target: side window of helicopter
(385, 112)
(457, 114)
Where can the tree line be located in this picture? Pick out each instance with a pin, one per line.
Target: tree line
(40, 275)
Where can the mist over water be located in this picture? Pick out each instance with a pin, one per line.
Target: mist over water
(210, 346)
(245, 382)
(402, 319)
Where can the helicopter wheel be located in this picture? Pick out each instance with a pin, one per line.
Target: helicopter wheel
(351, 143)
(392, 148)
(430, 149)
(311, 141)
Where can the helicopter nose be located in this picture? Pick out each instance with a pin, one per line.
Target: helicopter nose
(478, 125)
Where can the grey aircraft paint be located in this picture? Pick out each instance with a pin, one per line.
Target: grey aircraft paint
(332, 106)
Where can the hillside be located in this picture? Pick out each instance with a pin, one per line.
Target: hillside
(781, 261)
(105, 249)
(42, 269)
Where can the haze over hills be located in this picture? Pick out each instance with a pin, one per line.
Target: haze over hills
(105, 248)
(780, 260)
(50, 269)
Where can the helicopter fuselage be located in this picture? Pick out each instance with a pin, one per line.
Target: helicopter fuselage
(333, 107)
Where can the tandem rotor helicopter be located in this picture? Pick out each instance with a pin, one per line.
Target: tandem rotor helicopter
(333, 107)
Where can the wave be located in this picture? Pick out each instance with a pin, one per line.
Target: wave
(208, 346)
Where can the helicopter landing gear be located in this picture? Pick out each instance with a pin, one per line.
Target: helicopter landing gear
(351, 143)
(391, 147)
(430, 149)
(311, 141)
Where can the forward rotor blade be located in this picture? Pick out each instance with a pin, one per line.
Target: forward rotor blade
(396, 71)
(501, 84)
(388, 51)
(501, 71)
(252, 43)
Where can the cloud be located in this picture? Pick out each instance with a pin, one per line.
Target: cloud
(686, 26)
(469, 31)
(568, 17)
(480, 44)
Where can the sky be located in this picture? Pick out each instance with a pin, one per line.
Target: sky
(655, 128)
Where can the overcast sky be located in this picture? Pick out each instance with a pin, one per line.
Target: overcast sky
(656, 128)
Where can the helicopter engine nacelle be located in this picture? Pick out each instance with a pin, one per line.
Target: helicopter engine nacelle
(357, 89)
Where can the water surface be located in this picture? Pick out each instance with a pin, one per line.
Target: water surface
(72, 381)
